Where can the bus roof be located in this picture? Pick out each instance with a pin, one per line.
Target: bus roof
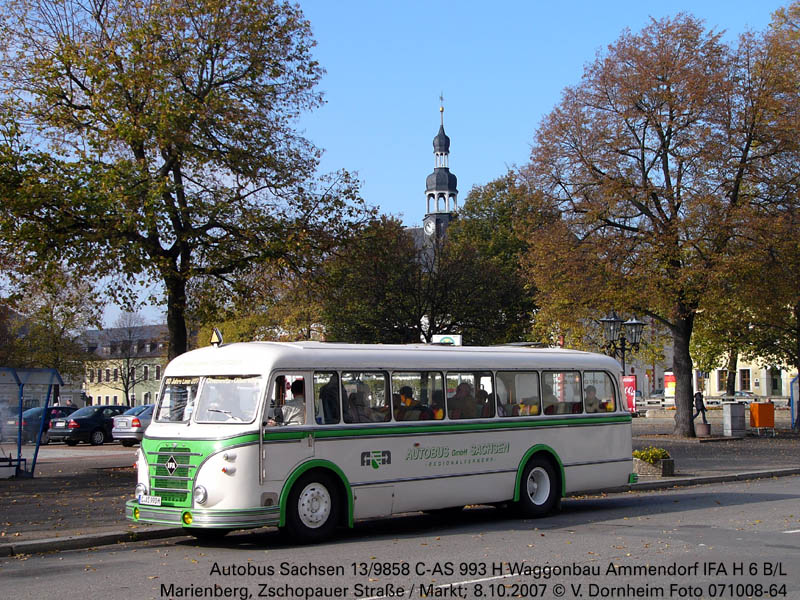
(253, 358)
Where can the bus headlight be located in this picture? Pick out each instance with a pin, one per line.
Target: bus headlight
(200, 494)
(141, 490)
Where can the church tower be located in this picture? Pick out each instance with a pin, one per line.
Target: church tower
(440, 187)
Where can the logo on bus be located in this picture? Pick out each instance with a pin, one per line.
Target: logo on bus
(376, 458)
(171, 465)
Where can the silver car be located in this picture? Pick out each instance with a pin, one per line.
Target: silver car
(129, 427)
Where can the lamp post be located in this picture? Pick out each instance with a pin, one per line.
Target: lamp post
(621, 336)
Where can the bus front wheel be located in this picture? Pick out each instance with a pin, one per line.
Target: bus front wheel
(313, 510)
(539, 489)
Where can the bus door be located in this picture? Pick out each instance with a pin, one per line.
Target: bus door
(285, 414)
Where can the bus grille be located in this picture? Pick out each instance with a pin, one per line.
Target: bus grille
(170, 486)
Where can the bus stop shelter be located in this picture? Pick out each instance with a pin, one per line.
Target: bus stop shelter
(12, 384)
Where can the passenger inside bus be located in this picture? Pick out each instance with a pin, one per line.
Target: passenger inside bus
(462, 403)
(289, 410)
(411, 409)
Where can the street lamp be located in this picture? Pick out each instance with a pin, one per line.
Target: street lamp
(621, 337)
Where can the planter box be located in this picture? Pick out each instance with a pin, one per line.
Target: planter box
(663, 468)
(702, 430)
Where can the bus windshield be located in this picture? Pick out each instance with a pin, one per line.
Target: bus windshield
(177, 399)
(228, 399)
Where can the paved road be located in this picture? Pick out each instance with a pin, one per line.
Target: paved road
(706, 541)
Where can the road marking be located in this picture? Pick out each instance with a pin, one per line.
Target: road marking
(793, 531)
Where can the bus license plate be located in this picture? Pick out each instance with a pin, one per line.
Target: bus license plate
(150, 500)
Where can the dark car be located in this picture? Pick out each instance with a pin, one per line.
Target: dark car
(129, 427)
(88, 424)
(31, 421)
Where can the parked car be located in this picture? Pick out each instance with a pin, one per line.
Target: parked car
(91, 424)
(745, 396)
(31, 420)
(656, 397)
(129, 426)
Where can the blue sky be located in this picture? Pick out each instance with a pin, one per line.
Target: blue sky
(500, 65)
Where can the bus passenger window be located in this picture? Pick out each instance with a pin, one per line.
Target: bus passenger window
(470, 395)
(326, 398)
(364, 397)
(289, 401)
(561, 393)
(417, 396)
(599, 393)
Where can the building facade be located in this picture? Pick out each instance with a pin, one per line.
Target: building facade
(127, 364)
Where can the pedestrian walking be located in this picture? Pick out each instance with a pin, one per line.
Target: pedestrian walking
(699, 407)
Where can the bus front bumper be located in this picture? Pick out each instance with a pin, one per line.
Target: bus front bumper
(203, 517)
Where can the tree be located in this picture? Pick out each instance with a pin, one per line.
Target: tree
(487, 225)
(385, 287)
(372, 289)
(160, 142)
(648, 168)
(51, 311)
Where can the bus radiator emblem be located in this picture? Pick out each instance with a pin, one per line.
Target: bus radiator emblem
(376, 458)
(171, 465)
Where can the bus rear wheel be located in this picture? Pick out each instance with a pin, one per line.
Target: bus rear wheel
(539, 493)
(313, 510)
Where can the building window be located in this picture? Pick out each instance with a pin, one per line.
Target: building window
(722, 380)
(145, 373)
(115, 400)
(116, 374)
(744, 379)
(99, 376)
(91, 375)
(158, 372)
(108, 375)
(132, 374)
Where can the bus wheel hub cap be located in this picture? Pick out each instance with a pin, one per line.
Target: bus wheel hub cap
(314, 505)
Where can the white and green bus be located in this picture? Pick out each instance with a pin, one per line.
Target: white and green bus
(309, 436)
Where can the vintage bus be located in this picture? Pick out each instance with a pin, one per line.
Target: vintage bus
(308, 436)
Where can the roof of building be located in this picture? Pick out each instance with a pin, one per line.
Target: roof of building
(441, 143)
(147, 341)
(441, 180)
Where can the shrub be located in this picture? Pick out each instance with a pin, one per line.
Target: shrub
(651, 454)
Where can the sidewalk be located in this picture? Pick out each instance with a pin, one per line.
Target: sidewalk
(75, 503)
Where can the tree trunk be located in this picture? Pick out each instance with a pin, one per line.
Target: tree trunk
(176, 316)
(682, 368)
(733, 366)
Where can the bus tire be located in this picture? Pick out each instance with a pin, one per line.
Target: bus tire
(313, 510)
(539, 489)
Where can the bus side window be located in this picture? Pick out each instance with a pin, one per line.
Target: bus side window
(364, 397)
(289, 400)
(598, 392)
(561, 393)
(470, 395)
(326, 398)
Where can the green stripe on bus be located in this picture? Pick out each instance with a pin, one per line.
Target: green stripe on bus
(380, 429)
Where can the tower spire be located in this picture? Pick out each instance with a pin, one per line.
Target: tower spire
(441, 189)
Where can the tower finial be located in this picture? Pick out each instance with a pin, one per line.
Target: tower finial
(441, 107)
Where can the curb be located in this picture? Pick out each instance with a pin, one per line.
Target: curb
(89, 540)
(673, 482)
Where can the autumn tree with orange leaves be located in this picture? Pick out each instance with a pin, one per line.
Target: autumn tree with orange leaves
(647, 172)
